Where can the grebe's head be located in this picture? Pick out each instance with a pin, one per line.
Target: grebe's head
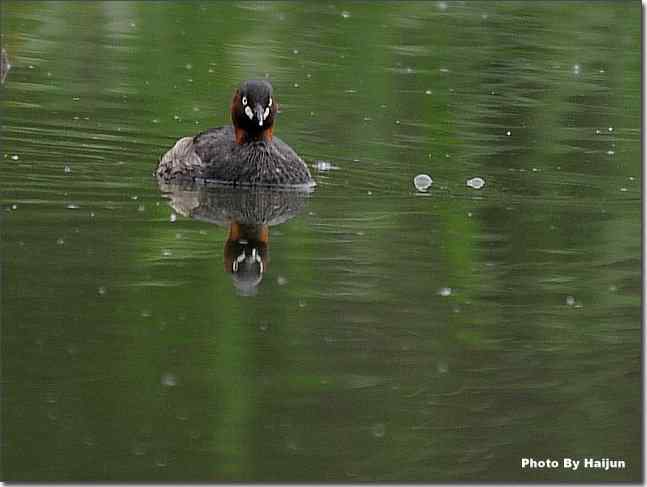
(253, 109)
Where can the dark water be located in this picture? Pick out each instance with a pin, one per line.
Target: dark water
(395, 335)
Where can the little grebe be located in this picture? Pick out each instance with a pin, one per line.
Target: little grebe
(244, 153)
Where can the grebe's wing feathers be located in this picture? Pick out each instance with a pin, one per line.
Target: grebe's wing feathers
(180, 160)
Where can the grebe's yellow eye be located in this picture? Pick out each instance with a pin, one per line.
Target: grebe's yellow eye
(244, 101)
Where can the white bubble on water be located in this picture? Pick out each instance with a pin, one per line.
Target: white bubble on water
(345, 14)
(324, 166)
(169, 380)
(428, 92)
(101, 290)
(67, 169)
(610, 129)
(508, 133)
(475, 183)
(15, 157)
(60, 241)
(570, 300)
(422, 182)
(442, 367)
(281, 281)
(445, 291)
(173, 218)
(378, 430)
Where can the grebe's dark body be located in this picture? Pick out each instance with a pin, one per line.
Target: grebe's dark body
(245, 153)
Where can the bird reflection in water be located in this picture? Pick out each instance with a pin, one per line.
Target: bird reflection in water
(247, 213)
(246, 255)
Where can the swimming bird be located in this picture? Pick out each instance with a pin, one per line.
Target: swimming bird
(243, 153)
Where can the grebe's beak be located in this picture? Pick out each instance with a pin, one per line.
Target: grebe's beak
(258, 112)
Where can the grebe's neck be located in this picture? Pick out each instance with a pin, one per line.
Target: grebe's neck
(243, 136)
